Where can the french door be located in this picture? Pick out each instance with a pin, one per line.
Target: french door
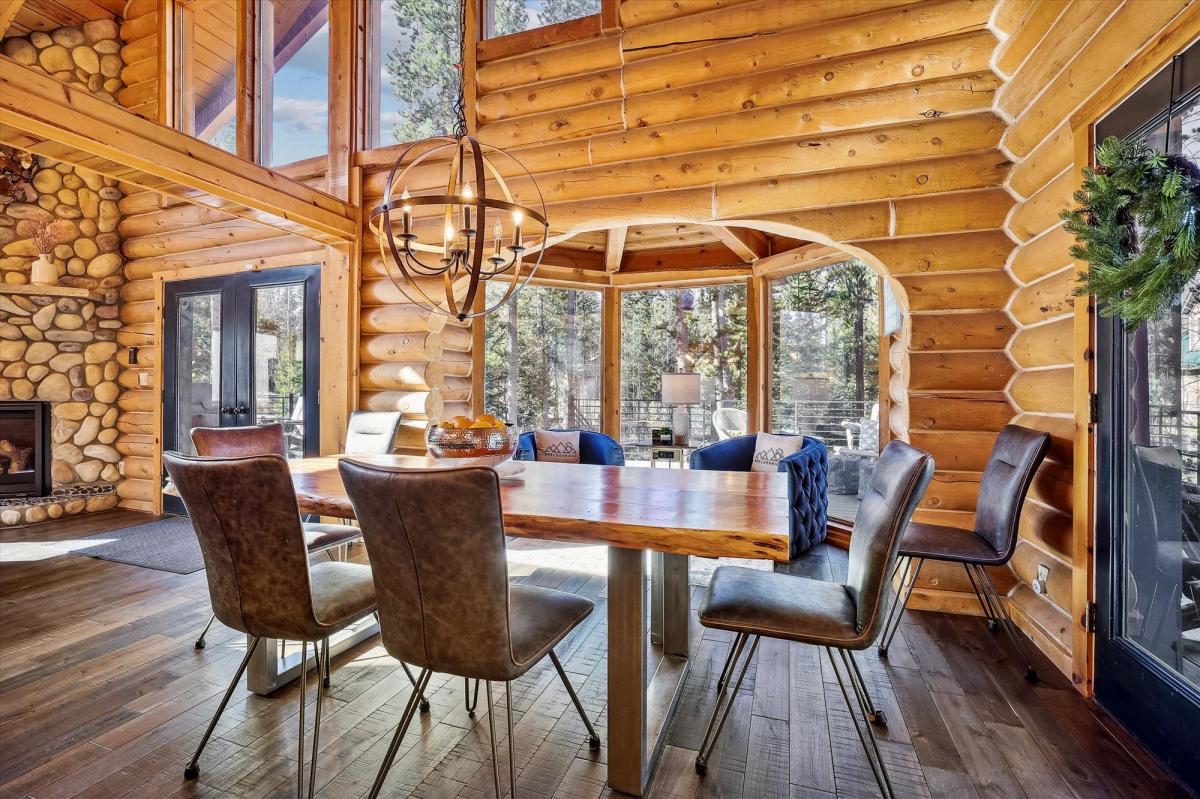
(1147, 664)
(242, 349)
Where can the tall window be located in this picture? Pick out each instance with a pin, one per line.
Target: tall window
(824, 350)
(414, 72)
(542, 358)
(511, 16)
(680, 330)
(295, 80)
(206, 63)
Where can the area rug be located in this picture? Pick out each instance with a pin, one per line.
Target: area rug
(167, 545)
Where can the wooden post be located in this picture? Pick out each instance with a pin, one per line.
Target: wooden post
(248, 43)
(610, 362)
(885, 377)
(758, 347)
(627, 669)
(169, 17)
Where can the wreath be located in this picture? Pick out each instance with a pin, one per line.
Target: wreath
(1136, 228)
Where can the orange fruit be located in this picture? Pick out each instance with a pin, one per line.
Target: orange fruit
(446, 425)
(486, 417)
(462, 422)
(481, 426)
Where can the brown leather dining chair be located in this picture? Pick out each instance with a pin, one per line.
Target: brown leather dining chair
(1015, 458)
(437, 548)
(267, 439)
(259, 579)
(840, 618)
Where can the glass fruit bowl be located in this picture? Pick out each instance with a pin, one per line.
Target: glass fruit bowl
(474, 446)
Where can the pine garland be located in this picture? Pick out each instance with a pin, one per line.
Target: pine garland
(1136, 228)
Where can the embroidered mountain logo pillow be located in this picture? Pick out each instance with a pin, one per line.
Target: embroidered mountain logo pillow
(770, 449)
(557, 447)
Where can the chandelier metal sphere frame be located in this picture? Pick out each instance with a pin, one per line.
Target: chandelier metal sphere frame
(468, 215)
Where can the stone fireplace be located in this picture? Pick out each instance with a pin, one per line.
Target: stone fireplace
(58, 341)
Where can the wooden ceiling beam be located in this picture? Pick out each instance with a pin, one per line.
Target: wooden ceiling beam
(614, 248)
(746, 243)
(36, 107)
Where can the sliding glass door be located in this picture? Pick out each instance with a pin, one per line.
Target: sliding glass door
(242, 349)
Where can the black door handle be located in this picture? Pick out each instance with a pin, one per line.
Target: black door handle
(241, 409)
(228, 409)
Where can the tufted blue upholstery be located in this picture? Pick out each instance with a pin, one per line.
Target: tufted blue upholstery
(807, 471)
(594, 448)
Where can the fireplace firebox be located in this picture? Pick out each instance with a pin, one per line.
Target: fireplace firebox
(24, 449)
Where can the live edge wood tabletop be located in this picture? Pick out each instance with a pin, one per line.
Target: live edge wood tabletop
(671, 514)
(703, 513)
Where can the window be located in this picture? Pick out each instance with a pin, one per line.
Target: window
(414, 73)
(664, 331)
(825, 370)
(542, 358)
(294, 94)
(206, 63)
(512, 16)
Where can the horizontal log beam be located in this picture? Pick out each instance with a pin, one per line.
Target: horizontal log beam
(46, 116)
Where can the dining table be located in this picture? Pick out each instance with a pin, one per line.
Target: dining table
(652, 521)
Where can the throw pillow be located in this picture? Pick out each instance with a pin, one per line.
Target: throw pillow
(770, 449)
(556, 447)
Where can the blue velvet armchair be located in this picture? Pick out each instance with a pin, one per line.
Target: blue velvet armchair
(807, 471)
(594, 448)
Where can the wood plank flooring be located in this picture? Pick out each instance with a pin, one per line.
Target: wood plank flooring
(103, 695)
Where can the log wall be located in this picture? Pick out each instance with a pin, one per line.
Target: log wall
(1055, 58)
(868, 125)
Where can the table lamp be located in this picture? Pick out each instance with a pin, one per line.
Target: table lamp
(681, 390)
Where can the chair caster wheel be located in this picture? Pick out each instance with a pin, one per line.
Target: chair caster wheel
(883, 652)
(701, 768)
(594, 743)
(324, 682)
(200, 643)
(878, 718)
(424, 705)
(191, 773)
(1030, 675)
(993, 625)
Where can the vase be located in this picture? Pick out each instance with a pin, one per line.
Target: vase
(44, 272)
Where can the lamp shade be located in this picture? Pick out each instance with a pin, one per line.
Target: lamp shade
(681, 389)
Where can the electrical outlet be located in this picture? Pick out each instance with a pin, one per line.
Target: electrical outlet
(1043, 577)
(121, 468)
(143, 378)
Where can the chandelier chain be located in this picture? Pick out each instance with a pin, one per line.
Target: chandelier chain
(460, 102)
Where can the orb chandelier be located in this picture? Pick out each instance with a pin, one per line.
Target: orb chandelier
(442, 245)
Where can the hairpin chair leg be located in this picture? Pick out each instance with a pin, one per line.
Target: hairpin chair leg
(322, 656)
(725, 700)
(204, 632)
(865, 736)
(512, 754)
(593, 738)
(303, 697)
(492, 737)
(192, 771)
(896, 612)
(406, 718)
(985, 602)
(408, 672)
(472, 702)
(1006, 621)
(733, 647)
(873, 713)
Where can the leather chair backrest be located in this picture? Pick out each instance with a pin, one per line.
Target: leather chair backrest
(1016, 456)
(901, 477)
(436, 543)
(231, 442)
(246, 519)
(372, 432)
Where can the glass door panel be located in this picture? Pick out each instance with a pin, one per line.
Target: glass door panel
(279, 361)
(197, 354)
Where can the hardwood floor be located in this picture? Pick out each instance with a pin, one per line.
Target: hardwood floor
(103, 695)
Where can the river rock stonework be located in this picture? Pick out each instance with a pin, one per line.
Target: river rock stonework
(63, 349)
